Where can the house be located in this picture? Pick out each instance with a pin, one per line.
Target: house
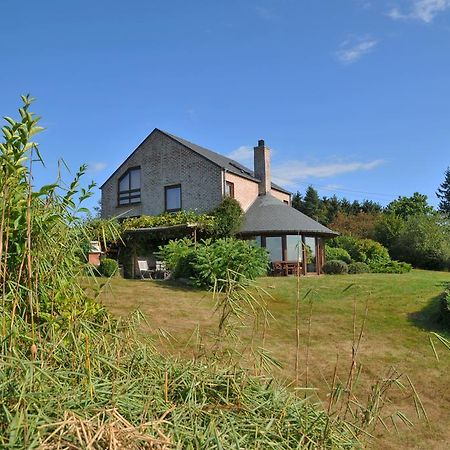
(167, 173)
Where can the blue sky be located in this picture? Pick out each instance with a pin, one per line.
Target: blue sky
(352, 96)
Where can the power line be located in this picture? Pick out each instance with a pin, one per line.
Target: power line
(378, 194)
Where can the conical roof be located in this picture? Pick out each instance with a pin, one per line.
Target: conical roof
(267, 215)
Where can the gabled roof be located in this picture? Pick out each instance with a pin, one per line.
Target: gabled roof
(267, 215)
(222, 161)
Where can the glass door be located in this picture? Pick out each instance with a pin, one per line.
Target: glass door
(311, 255)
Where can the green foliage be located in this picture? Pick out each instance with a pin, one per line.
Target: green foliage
(312, 206)
(337, 253)
(209, 262)
(390, 267)
(443, 193)
(359, 225)
(361, 250)
(228, 216)
(214, 259)
(388, 228)
(108, 267)
(335, 267)
(110, 376)
(42, 235)
(405, 207)
(204, 222)
(358, 267)
(444, 308)
(424, 242)
(179, 256)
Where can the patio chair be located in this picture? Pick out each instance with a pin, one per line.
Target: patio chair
(161, 271)
(145, 270)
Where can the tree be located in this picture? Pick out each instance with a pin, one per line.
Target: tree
(331, 206)
(312, 205)
(424, 242)
(443, 193)
(405, 207)
(297, 201)
(359, 225)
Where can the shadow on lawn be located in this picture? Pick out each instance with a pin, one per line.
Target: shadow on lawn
(429, 317)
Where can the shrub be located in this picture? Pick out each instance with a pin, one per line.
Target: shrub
(228, 216)
(209, 262)
(179, 255)
(214, 260)
(445, 308)
(335, 267)
(358, 267)
(363, 250)
(341, 254)
(108, 267)
(390, 267)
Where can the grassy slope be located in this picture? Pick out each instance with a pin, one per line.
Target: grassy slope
(401, 312)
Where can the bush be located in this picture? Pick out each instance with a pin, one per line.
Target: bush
(333, 253)
(361, 250)
(358, 267)
(179, 255)
(445, 308)
(214, 260)
(390, 267)
(228, 216)
(108, 267)
(335, 267)
(210, 261)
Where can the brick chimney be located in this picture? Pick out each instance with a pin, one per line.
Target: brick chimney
(261, 161)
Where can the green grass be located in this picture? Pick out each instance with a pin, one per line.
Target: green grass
(402, 311)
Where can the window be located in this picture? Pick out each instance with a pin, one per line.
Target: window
(172, 198)
(229, 189)
(294, 248)
(130, 187)
(275, 248)
(286, 202)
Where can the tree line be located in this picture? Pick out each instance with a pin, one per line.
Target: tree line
(409, 227)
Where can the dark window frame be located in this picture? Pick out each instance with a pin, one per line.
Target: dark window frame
(231, 185)
(129, 194)
(166, 188)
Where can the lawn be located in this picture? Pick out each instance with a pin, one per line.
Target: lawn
(401, 313)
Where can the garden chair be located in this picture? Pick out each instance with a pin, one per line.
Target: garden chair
(161, 270)
(145, 270)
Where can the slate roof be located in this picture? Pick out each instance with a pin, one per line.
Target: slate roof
(222, 161)
(267, 214)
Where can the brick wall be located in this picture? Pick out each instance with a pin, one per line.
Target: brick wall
(164, 162)
(281, 196)
(245, 190)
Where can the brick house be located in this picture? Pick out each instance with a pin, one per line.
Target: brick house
(167, 173)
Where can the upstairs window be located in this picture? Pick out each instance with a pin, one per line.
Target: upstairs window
(172, 197)
(229, 189)
(130, 187)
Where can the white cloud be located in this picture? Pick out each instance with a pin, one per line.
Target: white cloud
(97, 166)
(292, 172)
(424, 10)
(353, 49)
(243, 154)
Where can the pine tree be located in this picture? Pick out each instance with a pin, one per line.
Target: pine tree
(297, 201)
(312, 205)
(443, 193)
